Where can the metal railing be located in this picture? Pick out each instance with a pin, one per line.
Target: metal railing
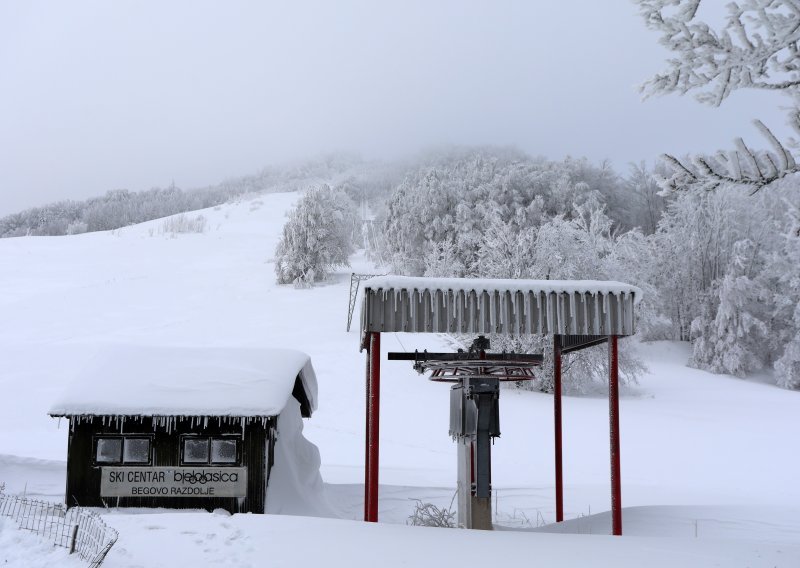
(355, 282)
(80, 531)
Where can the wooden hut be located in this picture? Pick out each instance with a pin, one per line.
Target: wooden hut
(182, 428)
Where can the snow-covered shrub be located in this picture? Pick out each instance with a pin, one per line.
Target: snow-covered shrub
(77, 227)
(183, 224)
(429, 515)
(318, 237)
(582, 372)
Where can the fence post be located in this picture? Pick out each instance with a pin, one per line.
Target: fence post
(72, 538)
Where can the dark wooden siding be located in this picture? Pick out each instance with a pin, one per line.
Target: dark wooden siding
(83, 476)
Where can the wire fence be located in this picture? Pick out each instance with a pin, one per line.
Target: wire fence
(78, 530)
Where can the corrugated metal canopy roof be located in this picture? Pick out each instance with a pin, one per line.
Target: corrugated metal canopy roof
(512, 307)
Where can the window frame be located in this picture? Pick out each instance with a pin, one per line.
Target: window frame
(121, 462)
(208, 438)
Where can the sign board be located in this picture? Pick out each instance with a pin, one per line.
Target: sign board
(173, 482)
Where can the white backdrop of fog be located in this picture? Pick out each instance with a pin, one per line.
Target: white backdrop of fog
(135, 94)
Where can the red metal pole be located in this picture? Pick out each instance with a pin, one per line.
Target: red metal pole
(366, 433)
(557, 427)
(613, 416)
(373, 417)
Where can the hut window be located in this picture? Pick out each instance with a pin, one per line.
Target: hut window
(109, 450)
(136, 450)
(195, 450)
(121, 449)
(210, 451)
(223, 451)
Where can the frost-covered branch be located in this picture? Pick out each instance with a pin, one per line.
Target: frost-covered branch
(743, 166)
(756, 48)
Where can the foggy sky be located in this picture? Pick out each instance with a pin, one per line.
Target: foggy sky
(135, 94)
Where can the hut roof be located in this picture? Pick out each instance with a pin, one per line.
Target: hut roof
(135, 380)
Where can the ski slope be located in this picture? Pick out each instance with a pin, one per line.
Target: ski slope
(709, 462)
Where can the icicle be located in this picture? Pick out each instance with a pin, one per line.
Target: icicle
(501, 321)
(526, 315)
(244, 422)
(491, 313)
(596, 322)
(432, 313)
(585, 299)
(558, 324)
(205, 422)
(457, 307)
(573, 313)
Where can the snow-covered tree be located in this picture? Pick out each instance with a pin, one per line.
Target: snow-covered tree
(730, 333)
(755, 48)
(641, 187)
(318, 236)
(787, 366)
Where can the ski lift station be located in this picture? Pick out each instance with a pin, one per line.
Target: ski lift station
(179, 427)
(576, 314)
(182, 427)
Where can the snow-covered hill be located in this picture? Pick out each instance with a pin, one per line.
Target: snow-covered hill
(709, 463)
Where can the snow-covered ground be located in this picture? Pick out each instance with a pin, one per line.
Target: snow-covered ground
(709, 463)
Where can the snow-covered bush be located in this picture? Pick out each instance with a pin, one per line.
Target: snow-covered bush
(582, 372)
(318, 237)
(77, 227)
(429, 515)
(183, 224)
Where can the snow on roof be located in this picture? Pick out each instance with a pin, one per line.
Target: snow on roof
(135, 380)
(502, 285)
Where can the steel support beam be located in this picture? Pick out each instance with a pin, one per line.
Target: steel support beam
(557, 427)
(372, 427)
(613, 416)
